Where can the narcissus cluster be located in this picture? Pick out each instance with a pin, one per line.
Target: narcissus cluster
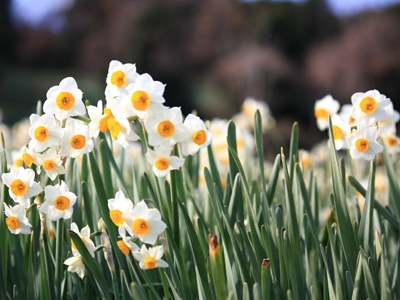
(359, 126)
(68, 129)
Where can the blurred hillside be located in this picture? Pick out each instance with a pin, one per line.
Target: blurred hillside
(210, 53)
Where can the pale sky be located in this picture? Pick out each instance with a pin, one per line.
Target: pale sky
(37, 13)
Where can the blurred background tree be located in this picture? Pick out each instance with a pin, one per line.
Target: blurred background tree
(211, 54)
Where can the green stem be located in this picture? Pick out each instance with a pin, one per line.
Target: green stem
(59, 261)
(84, 119)
(174, 198)
(115, 284)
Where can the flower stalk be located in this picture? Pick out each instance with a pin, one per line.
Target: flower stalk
(217, 266)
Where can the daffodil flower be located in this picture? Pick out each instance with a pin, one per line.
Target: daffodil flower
(51, 163)
(120, 129)
(323, 108)
(59, 202)
(44, 132)
(76, 139)
(166, 126)
(340, 131)
(117, 206)
(369, 107)
(392, 143)
(198, 135)
(162, 160)
(150, 258)
(119, 77)
(363, 144)
(346, 113)
(29, 156)
(248, 109)
(126, 245)
(145, 97)
(16, 219)
(64, 100)
(21, 185)
(75, 265)
(84, 234)
(388, 126)
(144, 223)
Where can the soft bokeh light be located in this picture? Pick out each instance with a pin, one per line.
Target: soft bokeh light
(46, 13)
(40, 13)
(345, 8)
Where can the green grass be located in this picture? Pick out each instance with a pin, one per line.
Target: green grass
(275, 241)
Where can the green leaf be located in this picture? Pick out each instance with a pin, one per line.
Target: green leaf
(393, 182)
(331, 290)
(307, 206)
(198, 256)
(258, 137)
(90, 263)
(103, 205)
(294, 153)
(231, 139)
(383, 274)
(274, 179)
(231, 283)
(219, 212)
(341, 210)
(266, 280)
(358, 280)
(246, 293)
(369, 282)
(379, 208)
(46, 270)
(138, 291)
(366, 230)
(336, 268)
(32, 290)
(292, 270)
(106, 169)
(248, 247)
(257, 292)
(214, 170)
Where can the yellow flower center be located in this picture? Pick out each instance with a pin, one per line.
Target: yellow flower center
(321, 113)
(199, 137)
(78, 141)
(103, 121)
(362, 145)
(337, 132)
(28, 159)
(114, 127)
(18, 187)
(140, 100)
(41, 133)
(368, 105)
(162, 164)
(65, 100)
(61, 203)
(116, 217)
(351, 120)
(123, 247)
(12, 222)
(140, 226)
(18, 162)
(166, 129)
(49, 165)
(149, 263)
(391, 141)
(118, 78)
